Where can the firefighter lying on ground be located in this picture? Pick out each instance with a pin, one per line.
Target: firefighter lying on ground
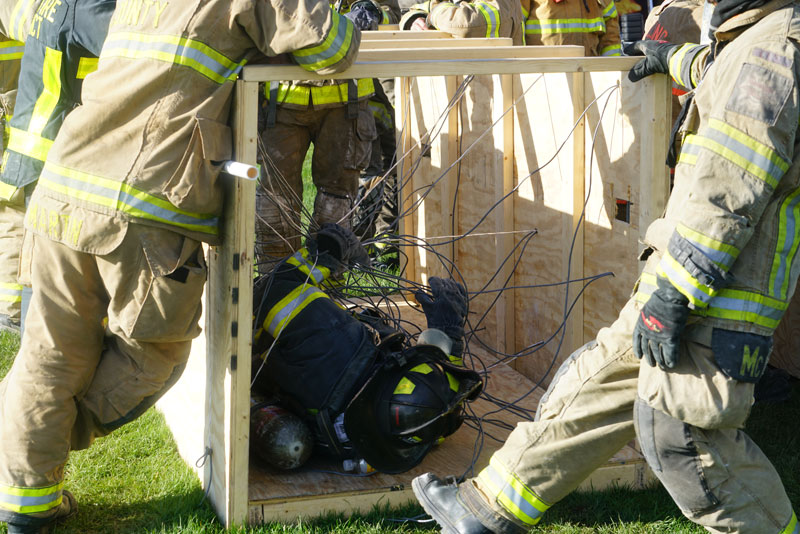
(366, 393)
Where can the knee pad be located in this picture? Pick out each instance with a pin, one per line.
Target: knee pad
(332, 208)
(669, 448)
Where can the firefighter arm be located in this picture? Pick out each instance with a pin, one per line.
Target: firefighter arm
(610, 44)
(91, 24)
(391, 11)
(733, 167)
(687, 64)
(466, 19)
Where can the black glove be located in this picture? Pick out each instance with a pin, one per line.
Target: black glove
(657, 333)
(365, 15)
(337, 248)
(656, 58)
(446, 309)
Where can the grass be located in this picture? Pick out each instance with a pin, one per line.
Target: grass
(134, 481)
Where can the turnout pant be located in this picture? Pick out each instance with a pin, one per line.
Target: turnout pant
(12, 216)
(106, 337)
(688, 421)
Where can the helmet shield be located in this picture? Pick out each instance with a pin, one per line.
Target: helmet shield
(403, 409)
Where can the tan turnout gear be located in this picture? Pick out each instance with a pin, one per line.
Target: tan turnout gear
(478, 18)
(593, 24)
(728, 243)
(675, 21)
(112, 246)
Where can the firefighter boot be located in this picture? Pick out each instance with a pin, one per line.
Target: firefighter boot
(23, 524)
(443, 503)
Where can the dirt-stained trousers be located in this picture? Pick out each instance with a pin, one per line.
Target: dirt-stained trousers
(106, 337)
(600, 398)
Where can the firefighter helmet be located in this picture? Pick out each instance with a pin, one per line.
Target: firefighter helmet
(406, 406)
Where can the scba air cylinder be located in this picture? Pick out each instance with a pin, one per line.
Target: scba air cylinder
(278, 437)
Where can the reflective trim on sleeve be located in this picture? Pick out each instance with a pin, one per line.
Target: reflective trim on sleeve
(332, 50)
(793, 527)
(10, 292)
(317, 273)
(610, 11)
(786, 246)
(698, 293)
(173, 49)
(553, 26)
(11, 50)
(86, 66)
(612, 50)
(289, 306)
(735, 146)
(720, 253)
(19, 19)
(30, 500)
(492, 16)
(111, 194)
(680, 64)
(519, 500)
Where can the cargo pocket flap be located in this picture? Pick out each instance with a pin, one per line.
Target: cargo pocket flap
(216, 139)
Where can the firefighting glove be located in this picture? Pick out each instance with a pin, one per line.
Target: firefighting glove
(446, 309)
(337, 248)
(657, 333)
(656, 58)
(365, 15)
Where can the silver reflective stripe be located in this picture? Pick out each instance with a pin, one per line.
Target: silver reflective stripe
(19, 500)
(564, 26)
(6, 53)
(517, 499)
(296, 303)
(313, 271)
(677, 278)
(491, 15)
(786, 248)
(747, 306)
(332, 49)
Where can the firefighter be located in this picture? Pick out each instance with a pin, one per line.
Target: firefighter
(363, 391)
(114, 227)
(335, 117)
(14, 21)
(677, 369)
(67, 51)
(593, 24)
(483, 18)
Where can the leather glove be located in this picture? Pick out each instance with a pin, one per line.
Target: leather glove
(337, 248)
(656, 58)
(446, 309)
(365, 15)
(657, 333)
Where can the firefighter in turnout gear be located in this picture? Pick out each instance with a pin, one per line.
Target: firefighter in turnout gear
(592, 24)
(66, 50)
(677, 369)
(14, 21)
(480, 18)
(365, 393)
(114, 227)
(335, 117)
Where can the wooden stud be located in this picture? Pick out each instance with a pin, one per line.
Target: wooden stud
(426, 45)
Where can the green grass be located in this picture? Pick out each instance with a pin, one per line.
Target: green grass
(135, 482)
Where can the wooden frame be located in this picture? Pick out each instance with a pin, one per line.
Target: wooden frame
(213, 422)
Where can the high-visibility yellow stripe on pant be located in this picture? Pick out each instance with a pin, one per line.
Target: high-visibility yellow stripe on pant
(107, 193)
(317, 273)
(512, 494)
(289, 306)
(173, 49)
(793, 527)
(303, 95)
(30, 500)
(10, 292)
(332, 50)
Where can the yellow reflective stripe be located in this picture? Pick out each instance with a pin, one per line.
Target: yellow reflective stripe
(289, 306)
(29, 144)
(11, 50)
(86, 66)
(512, 494)
(51, 91)
(610, 11)
(453, 381)
(792, 527)
(720, 253)
(332, 49)
(385, 17)
(676, 63)
(327, 94)
(611, 50)
(455, 360)
(18, 29)
(525, 13)
(317, 273)
(10, 292)
(698, 293)
(492, 17)
(404, 387)
(30, 500)
(122, 197)
(552, 26)
(786, 246)
(422, 369)
(173, 49)
(7, 191)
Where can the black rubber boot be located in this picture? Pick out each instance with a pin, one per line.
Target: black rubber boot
(42, 525)
(442, 502)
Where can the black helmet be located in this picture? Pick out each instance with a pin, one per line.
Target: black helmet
(406, 406)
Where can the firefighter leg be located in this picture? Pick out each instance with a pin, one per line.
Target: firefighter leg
(279, 197)
(584, 418)
(12, 215)
(688, 422)
(342, 147)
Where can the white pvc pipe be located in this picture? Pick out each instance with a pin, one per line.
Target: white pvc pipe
(242, 170)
